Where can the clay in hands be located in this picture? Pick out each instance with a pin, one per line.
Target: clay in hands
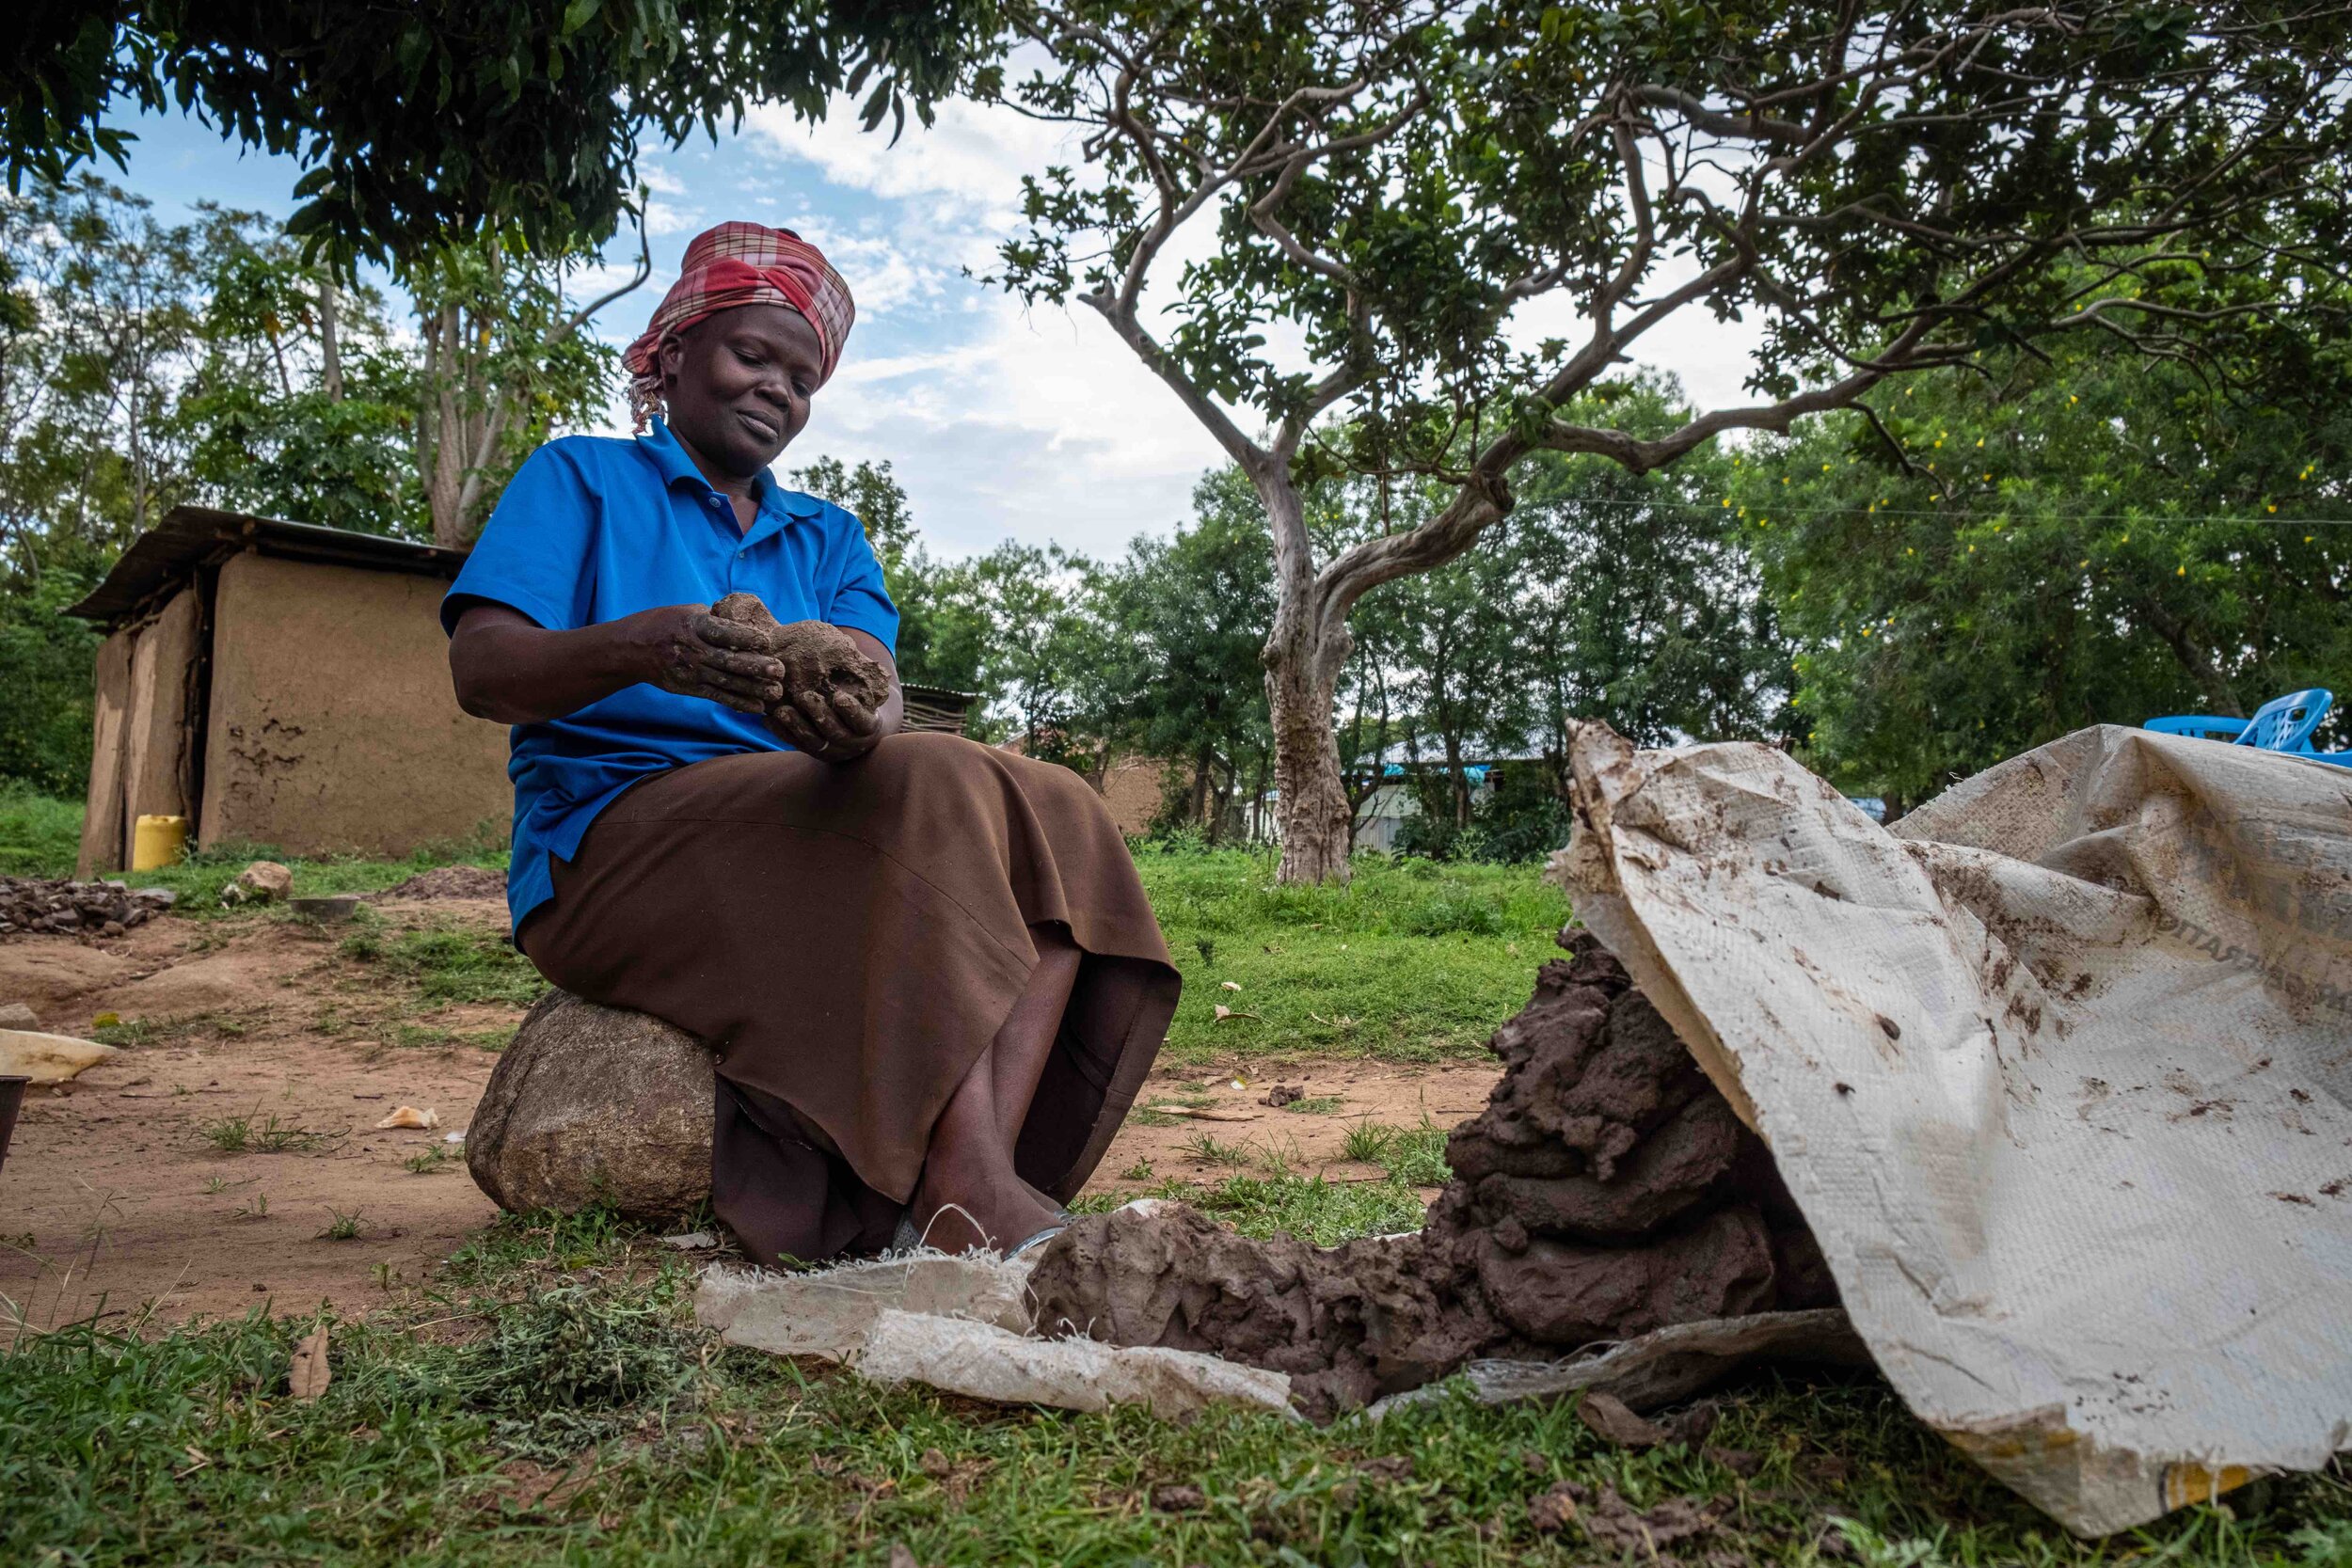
(816, 656)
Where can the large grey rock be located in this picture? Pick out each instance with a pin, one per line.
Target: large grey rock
(595, 1105)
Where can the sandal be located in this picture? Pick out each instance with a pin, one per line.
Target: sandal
(1038, 1239)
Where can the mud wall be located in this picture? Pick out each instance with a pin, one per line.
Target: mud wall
(160, 739)
(1131, 788)
(331, 723)
(103, 821)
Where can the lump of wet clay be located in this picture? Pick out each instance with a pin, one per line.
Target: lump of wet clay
(1606, 1190)
(591, 1105)
(1348, 1324)
(816, 656)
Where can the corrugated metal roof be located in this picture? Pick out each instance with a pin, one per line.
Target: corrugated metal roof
(190, 537)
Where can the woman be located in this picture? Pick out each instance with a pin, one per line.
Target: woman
(926, 969)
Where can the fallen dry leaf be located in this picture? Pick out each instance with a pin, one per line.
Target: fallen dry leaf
(1614, 1420)
(1230, 984)
(1224, 1012)
(1178, 1499)
(309, 1376)
(408, 1116)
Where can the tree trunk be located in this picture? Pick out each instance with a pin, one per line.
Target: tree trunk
(2194, 659)
(1200, 784)
(1302, 676)
(1458, 780)
(1303, 655)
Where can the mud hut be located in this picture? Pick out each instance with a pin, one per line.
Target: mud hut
(284, 684)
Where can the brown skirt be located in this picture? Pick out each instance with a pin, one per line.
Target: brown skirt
(848, 940)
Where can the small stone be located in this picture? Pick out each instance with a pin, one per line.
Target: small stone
(265, 882)
(16, 1015)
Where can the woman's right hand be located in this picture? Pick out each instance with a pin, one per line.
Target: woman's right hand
(683, 650)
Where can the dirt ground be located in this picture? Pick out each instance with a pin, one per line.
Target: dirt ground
(117, 1199)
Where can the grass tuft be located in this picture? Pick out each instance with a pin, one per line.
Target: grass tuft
(254, 1134)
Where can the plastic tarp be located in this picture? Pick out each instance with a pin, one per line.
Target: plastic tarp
(962, 1323)
(2060, 1068)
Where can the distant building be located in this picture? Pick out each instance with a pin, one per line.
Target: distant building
(283, 683)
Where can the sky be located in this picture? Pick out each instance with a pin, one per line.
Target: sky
(1000, 419)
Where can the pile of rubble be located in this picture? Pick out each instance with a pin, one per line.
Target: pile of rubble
(67, 908)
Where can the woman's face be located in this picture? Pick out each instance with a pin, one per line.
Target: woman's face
(736, 384)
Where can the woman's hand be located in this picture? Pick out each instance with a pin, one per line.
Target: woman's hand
(687, 651)
(837, 728)
(812, 711)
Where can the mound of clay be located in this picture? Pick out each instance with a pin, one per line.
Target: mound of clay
(595, 1105)
(1605, 1191)
(449, 881)
(817, 658)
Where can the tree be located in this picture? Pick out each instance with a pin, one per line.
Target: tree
(300, 404)
(1408, 186)
(1177, 676)
(1631, 598)
(943, 627)
(505, 364)
(2074, 540)
(438, 122)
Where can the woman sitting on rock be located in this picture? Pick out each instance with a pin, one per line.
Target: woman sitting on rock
(926, 968)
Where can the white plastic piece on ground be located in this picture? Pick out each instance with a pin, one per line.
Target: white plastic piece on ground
(1661, 1367)
(983, 1361)
(2060, 1070)
(829, 1312)
(48, 1058)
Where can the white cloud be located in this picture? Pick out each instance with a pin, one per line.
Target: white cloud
(1041, 427)
(967, 164)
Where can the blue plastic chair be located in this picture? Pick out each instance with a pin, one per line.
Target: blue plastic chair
(2285, 723)
(2204, 726)
(2281, 725)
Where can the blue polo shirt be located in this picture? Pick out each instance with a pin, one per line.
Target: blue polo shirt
(591, 530)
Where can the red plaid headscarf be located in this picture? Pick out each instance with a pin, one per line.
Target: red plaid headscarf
(733, 264)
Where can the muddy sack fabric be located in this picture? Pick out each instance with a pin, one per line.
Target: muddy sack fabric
(737, 265)
(2058, 1068)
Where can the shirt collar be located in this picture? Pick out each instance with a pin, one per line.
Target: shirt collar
(777, 505)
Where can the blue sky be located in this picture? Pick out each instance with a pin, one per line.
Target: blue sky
(1001, 420)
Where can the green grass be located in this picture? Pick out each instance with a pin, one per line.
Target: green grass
(38, 836)
(41, 836)
(448, 963)
(1413, 1155)
(551, 1401)
(1410, 961)
(265, 1135)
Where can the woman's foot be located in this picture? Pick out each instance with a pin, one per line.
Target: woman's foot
(953, 1217)
(969, 1196)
